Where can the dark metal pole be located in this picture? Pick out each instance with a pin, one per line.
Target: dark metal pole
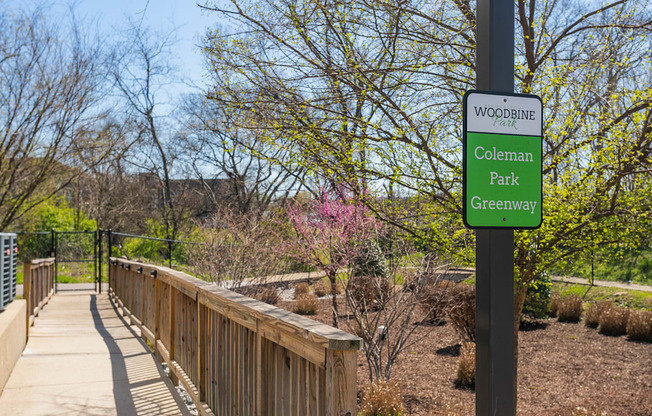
(95, 248)
(110, 244)
(56, 266)
(52, 253)
(100, 263)
(495, 358)
(170, 253)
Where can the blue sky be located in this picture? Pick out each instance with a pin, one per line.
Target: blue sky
(158, 15)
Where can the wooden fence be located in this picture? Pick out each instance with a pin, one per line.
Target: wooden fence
(233, 354)
(38, 286)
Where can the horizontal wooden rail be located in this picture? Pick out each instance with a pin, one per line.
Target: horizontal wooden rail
(38, 286)
(233, 354)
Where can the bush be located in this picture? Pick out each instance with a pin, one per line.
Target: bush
(268, 295)
(569, 308)
(537, 298)
(306, 304)
(613, 321)
(462, 310)
(367, 293)
(301, 289)
(639, 326)
(554, 304)
(320, 289)
(382, 398)
(434, 301)
(370, 261)
(466, 366)
(594, 312)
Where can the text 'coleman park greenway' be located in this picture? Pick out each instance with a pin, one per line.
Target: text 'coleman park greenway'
(502, 160)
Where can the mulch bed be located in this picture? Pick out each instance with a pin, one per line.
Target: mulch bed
(562, 366)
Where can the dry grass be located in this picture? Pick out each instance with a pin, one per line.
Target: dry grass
(639, 326)
(592, 319)
(320, 289)
(368, 293)
(466, 366)
(301, 289)
(462, 310)
(267, 295)
(569, 308)
(435, 301)
(554, 304)
(382, 398)
(583, 411)
(306, 304)
(613, 321)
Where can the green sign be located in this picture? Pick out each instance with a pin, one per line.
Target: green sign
(502, 160)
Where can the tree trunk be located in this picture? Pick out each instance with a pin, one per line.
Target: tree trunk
(332, 277)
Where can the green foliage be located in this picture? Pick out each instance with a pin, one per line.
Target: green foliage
(537, 298)
(613, 262)
(151, 250)
(370, 261)
(53, 214)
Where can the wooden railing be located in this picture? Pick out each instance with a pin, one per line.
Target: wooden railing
(235, 355)
(38, 286)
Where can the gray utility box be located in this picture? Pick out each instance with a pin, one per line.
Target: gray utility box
(8, 261)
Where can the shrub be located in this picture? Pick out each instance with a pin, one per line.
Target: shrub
(301, 289)
(370, 261)
(613, 321)
(306, 304)
(537, 298)
(368, 293)
(320, 289)
(382, 398)
(569, 308)
(434, 301)
(462, 310)
(466, 366)
(268, 295)
(554, 304)
(594, 312)
(639, 326)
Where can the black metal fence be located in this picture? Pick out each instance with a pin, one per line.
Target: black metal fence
(82, 256)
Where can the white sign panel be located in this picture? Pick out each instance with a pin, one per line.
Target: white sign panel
(504, 114)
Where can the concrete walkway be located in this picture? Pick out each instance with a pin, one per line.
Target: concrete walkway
(603, 283)
(83, 359)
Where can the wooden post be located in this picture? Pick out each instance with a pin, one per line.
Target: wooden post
(341, 385)
(173, 324)
(201, 348)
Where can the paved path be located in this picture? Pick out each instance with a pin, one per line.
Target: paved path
(83, 359)
(603, 283)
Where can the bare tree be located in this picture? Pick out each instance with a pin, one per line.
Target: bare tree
(50, 80)
(141, 69)
(215, 146)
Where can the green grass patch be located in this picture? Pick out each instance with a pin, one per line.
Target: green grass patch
(635, 299)
(612, 263)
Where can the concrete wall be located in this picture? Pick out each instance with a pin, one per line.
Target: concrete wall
(13, 336)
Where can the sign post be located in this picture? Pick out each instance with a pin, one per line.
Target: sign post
(495, 358)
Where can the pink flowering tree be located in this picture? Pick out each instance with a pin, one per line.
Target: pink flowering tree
(329, 232)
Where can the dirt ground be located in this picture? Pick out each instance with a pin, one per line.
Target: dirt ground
(562, 366)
